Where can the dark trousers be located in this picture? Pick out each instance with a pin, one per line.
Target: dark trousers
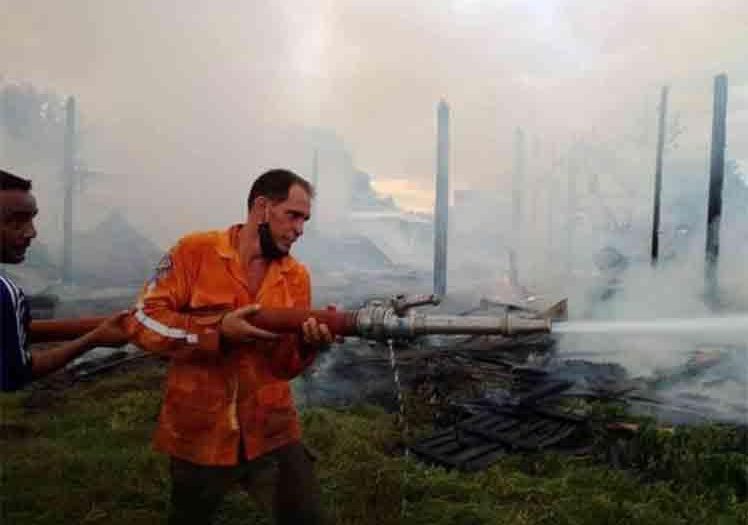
(287, 473)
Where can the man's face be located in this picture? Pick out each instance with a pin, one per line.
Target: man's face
(287, 218)
(17, 212)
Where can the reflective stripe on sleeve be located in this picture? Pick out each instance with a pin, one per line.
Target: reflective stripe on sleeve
(163, 330)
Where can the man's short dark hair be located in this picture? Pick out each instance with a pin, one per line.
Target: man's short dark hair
(8, 181)
(275, 184)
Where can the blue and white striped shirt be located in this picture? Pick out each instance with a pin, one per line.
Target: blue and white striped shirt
(15, 317)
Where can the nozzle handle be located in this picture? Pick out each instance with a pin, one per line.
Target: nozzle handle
(402, 303)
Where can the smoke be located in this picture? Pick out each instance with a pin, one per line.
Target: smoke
(214, 77)
(184, 103)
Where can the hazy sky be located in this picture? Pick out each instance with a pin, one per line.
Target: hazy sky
(193, 98)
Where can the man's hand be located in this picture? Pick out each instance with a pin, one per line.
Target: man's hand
(235, 327)
(109, 333)
(316, 335)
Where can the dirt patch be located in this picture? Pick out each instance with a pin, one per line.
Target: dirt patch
(53, 391)
(16, 431)
(43, 398)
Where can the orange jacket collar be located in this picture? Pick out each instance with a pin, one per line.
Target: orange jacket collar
(227, 248)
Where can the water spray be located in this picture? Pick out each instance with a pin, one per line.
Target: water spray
(398, 318)
(731, 324)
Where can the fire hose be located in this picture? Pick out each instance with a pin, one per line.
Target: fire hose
(378, 320)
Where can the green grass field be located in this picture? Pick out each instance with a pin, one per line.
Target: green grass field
(82, 455)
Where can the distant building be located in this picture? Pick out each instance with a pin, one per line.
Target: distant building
(406, 238)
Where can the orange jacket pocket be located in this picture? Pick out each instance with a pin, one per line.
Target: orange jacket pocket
(274, 395)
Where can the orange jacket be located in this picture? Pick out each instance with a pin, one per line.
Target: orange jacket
(217, 394)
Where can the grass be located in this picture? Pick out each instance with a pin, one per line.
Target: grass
(82, 455)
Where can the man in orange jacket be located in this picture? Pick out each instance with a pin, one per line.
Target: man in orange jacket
(228, 406)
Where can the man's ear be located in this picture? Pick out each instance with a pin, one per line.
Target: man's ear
(261, 208)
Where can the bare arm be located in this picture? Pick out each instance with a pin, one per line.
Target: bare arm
(110, 333)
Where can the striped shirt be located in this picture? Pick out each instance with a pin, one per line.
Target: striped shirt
(15, 317)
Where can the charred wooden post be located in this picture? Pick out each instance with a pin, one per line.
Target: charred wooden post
(68, 172)
(716, 177)
(441, 211)
(571, 206)
(518, 177)
(315, 184)
(658, 175)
